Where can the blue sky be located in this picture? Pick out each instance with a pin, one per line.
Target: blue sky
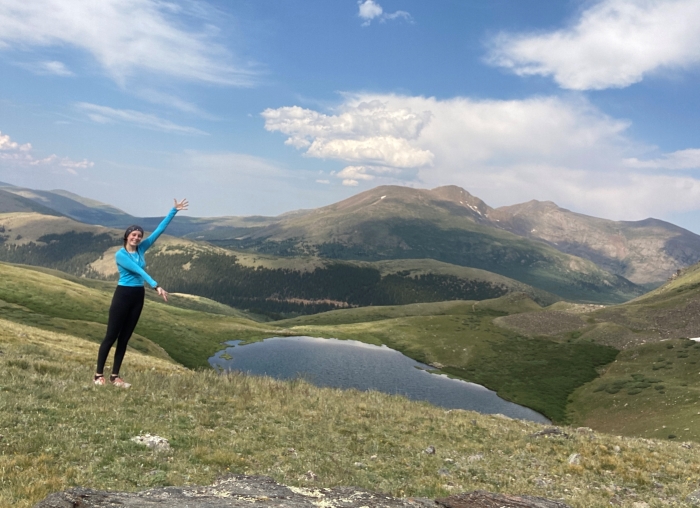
(266, 106)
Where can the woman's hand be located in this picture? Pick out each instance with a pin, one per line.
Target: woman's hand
(182, 205)
(162, 292)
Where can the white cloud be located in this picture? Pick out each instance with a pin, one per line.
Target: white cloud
(325, 182)
(52, 67)
(57, 68)
(550, 148)
(125, 36)
(6, 144)
(351, 174)
(364, 132)
(613, 44)
(388, 150)
(681, 159)
(20, 155)
(105, 114)
(369, 10)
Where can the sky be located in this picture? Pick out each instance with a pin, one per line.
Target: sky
(259, 107)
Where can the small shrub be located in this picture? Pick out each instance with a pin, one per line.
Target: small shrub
(46, 368)
(20, 364)
(634, 391)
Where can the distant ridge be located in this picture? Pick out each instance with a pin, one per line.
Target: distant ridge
(10, 203)
(448, 224)
(645, 251)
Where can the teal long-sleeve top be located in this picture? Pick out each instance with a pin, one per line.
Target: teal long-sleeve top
(131, 265)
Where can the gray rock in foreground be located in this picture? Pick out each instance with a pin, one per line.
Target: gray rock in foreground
(246, 491)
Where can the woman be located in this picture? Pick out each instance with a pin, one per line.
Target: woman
(128, 298)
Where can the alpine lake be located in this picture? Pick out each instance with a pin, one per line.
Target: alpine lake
(349, 364)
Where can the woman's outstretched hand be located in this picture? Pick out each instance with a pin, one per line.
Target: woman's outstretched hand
(162, 292)
(182, 205)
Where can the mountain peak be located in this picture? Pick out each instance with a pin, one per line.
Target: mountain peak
(460, 196)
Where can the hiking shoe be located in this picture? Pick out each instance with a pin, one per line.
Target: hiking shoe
(119, 382)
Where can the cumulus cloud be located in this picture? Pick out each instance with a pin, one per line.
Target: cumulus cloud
(370, 10)
(20, 155)
(105, 114)
(7, 145)
(367, 133)
(125, 37)
(505, 151)
(613, 44)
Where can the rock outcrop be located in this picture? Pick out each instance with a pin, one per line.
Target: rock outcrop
(245, 491)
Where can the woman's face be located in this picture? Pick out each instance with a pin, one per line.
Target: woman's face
(134, 239)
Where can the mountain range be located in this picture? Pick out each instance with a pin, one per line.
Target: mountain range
(564, 253)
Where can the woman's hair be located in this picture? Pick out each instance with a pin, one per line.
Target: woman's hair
(130, 230)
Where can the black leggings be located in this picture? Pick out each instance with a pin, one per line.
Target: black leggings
(123, 316)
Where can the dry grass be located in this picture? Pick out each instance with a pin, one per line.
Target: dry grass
(60, 429)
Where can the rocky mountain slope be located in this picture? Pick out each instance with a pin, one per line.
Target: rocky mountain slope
(646, 251)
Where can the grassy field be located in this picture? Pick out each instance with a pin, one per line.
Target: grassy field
(57, 426)
(651, 391)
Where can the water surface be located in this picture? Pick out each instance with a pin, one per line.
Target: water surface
(352, 364)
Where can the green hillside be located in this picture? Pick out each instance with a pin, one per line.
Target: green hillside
(653, 387)
(79, 307)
